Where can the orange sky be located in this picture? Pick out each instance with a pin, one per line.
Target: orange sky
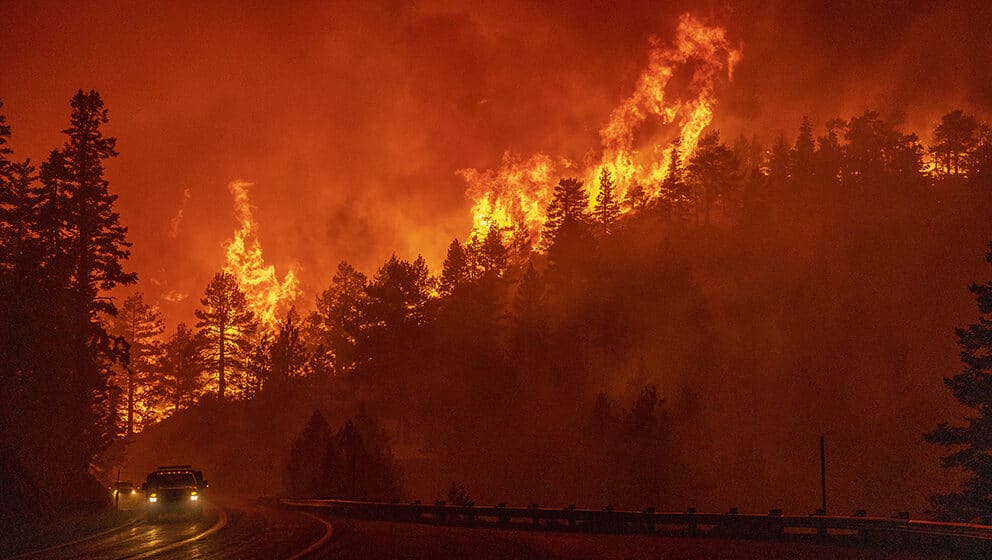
(352, 120)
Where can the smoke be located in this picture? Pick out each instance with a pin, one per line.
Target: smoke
(177, 221)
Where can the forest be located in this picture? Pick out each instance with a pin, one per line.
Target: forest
(669, 349)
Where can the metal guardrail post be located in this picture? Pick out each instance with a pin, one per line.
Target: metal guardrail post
(960, 539)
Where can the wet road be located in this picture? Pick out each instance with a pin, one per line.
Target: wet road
(225, 531)
(245, 530)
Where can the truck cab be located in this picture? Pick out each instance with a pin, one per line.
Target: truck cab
(174, 489)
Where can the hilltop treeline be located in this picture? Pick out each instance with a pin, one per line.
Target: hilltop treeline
(675, 350)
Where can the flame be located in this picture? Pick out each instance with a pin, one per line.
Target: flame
(700, 57)
(268, 297)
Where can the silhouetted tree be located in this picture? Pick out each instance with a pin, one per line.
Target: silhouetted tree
(140, 325)
(287, 355)
(973, 389)
(677, 197)
(68, 253)
(829, 159)
(954, 139)
(607, 209)
(567, 235)
(802, 168)
(399, 293)
(308, 458)
(18, 203)
(358, 462)
(340, 316)
(181, 369)
(489, 258)
(226, 325)
(714, 169)
(86, 228)
(877, 151)
(455, 269)
(980, 160)
(636, 197)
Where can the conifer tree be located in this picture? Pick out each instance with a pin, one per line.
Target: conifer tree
(181, 369)
(308, 457)
(455, 269)
(973, 441)
(226, 325)
(491, 256)
(955, 138)
(92, 240)
(676, 194)
(566, 234)
(802, 156)
(140, 325)
(340, 316)
(714, 169)
(607, 206)
(287, 356)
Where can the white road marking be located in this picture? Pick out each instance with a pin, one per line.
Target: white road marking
(221, 522)
(328, 533)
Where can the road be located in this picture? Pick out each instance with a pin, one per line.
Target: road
(244, 530)
(227, 530)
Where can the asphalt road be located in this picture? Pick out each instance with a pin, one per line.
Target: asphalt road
(244, 530)
(225, 531)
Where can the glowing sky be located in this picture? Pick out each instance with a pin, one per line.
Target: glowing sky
(352, 119)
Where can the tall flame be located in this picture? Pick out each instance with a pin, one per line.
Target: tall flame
(517, 194)
(268, 297)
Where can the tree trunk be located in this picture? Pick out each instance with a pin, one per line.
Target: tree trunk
(221, 385)
(130, 402)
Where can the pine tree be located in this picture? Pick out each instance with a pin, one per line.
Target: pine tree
(973, 389)
(226, 325)
(455, 269)
(69, 253)
(676, 194)
(181, 369)
(802, 156)
(94, 241)
(607, 206)
(567, 208)
(714, 169)
(567, 235)
(491, 256)
(287, 356)
(308, 456)
(340, 316)
(140, 325)
(18, 202)
(955, 138)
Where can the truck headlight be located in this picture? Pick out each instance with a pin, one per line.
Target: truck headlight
(153, 497)
(194, 495)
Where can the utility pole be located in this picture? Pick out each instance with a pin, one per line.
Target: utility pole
(823, 478)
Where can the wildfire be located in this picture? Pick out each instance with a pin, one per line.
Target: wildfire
(518, 193)
(267, 296)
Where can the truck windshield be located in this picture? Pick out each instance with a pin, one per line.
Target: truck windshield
(174, 479)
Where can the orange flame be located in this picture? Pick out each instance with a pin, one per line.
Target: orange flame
(268, 297)
(518, 193)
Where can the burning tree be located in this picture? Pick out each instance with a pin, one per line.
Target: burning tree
(226, 325)
(972, 388)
